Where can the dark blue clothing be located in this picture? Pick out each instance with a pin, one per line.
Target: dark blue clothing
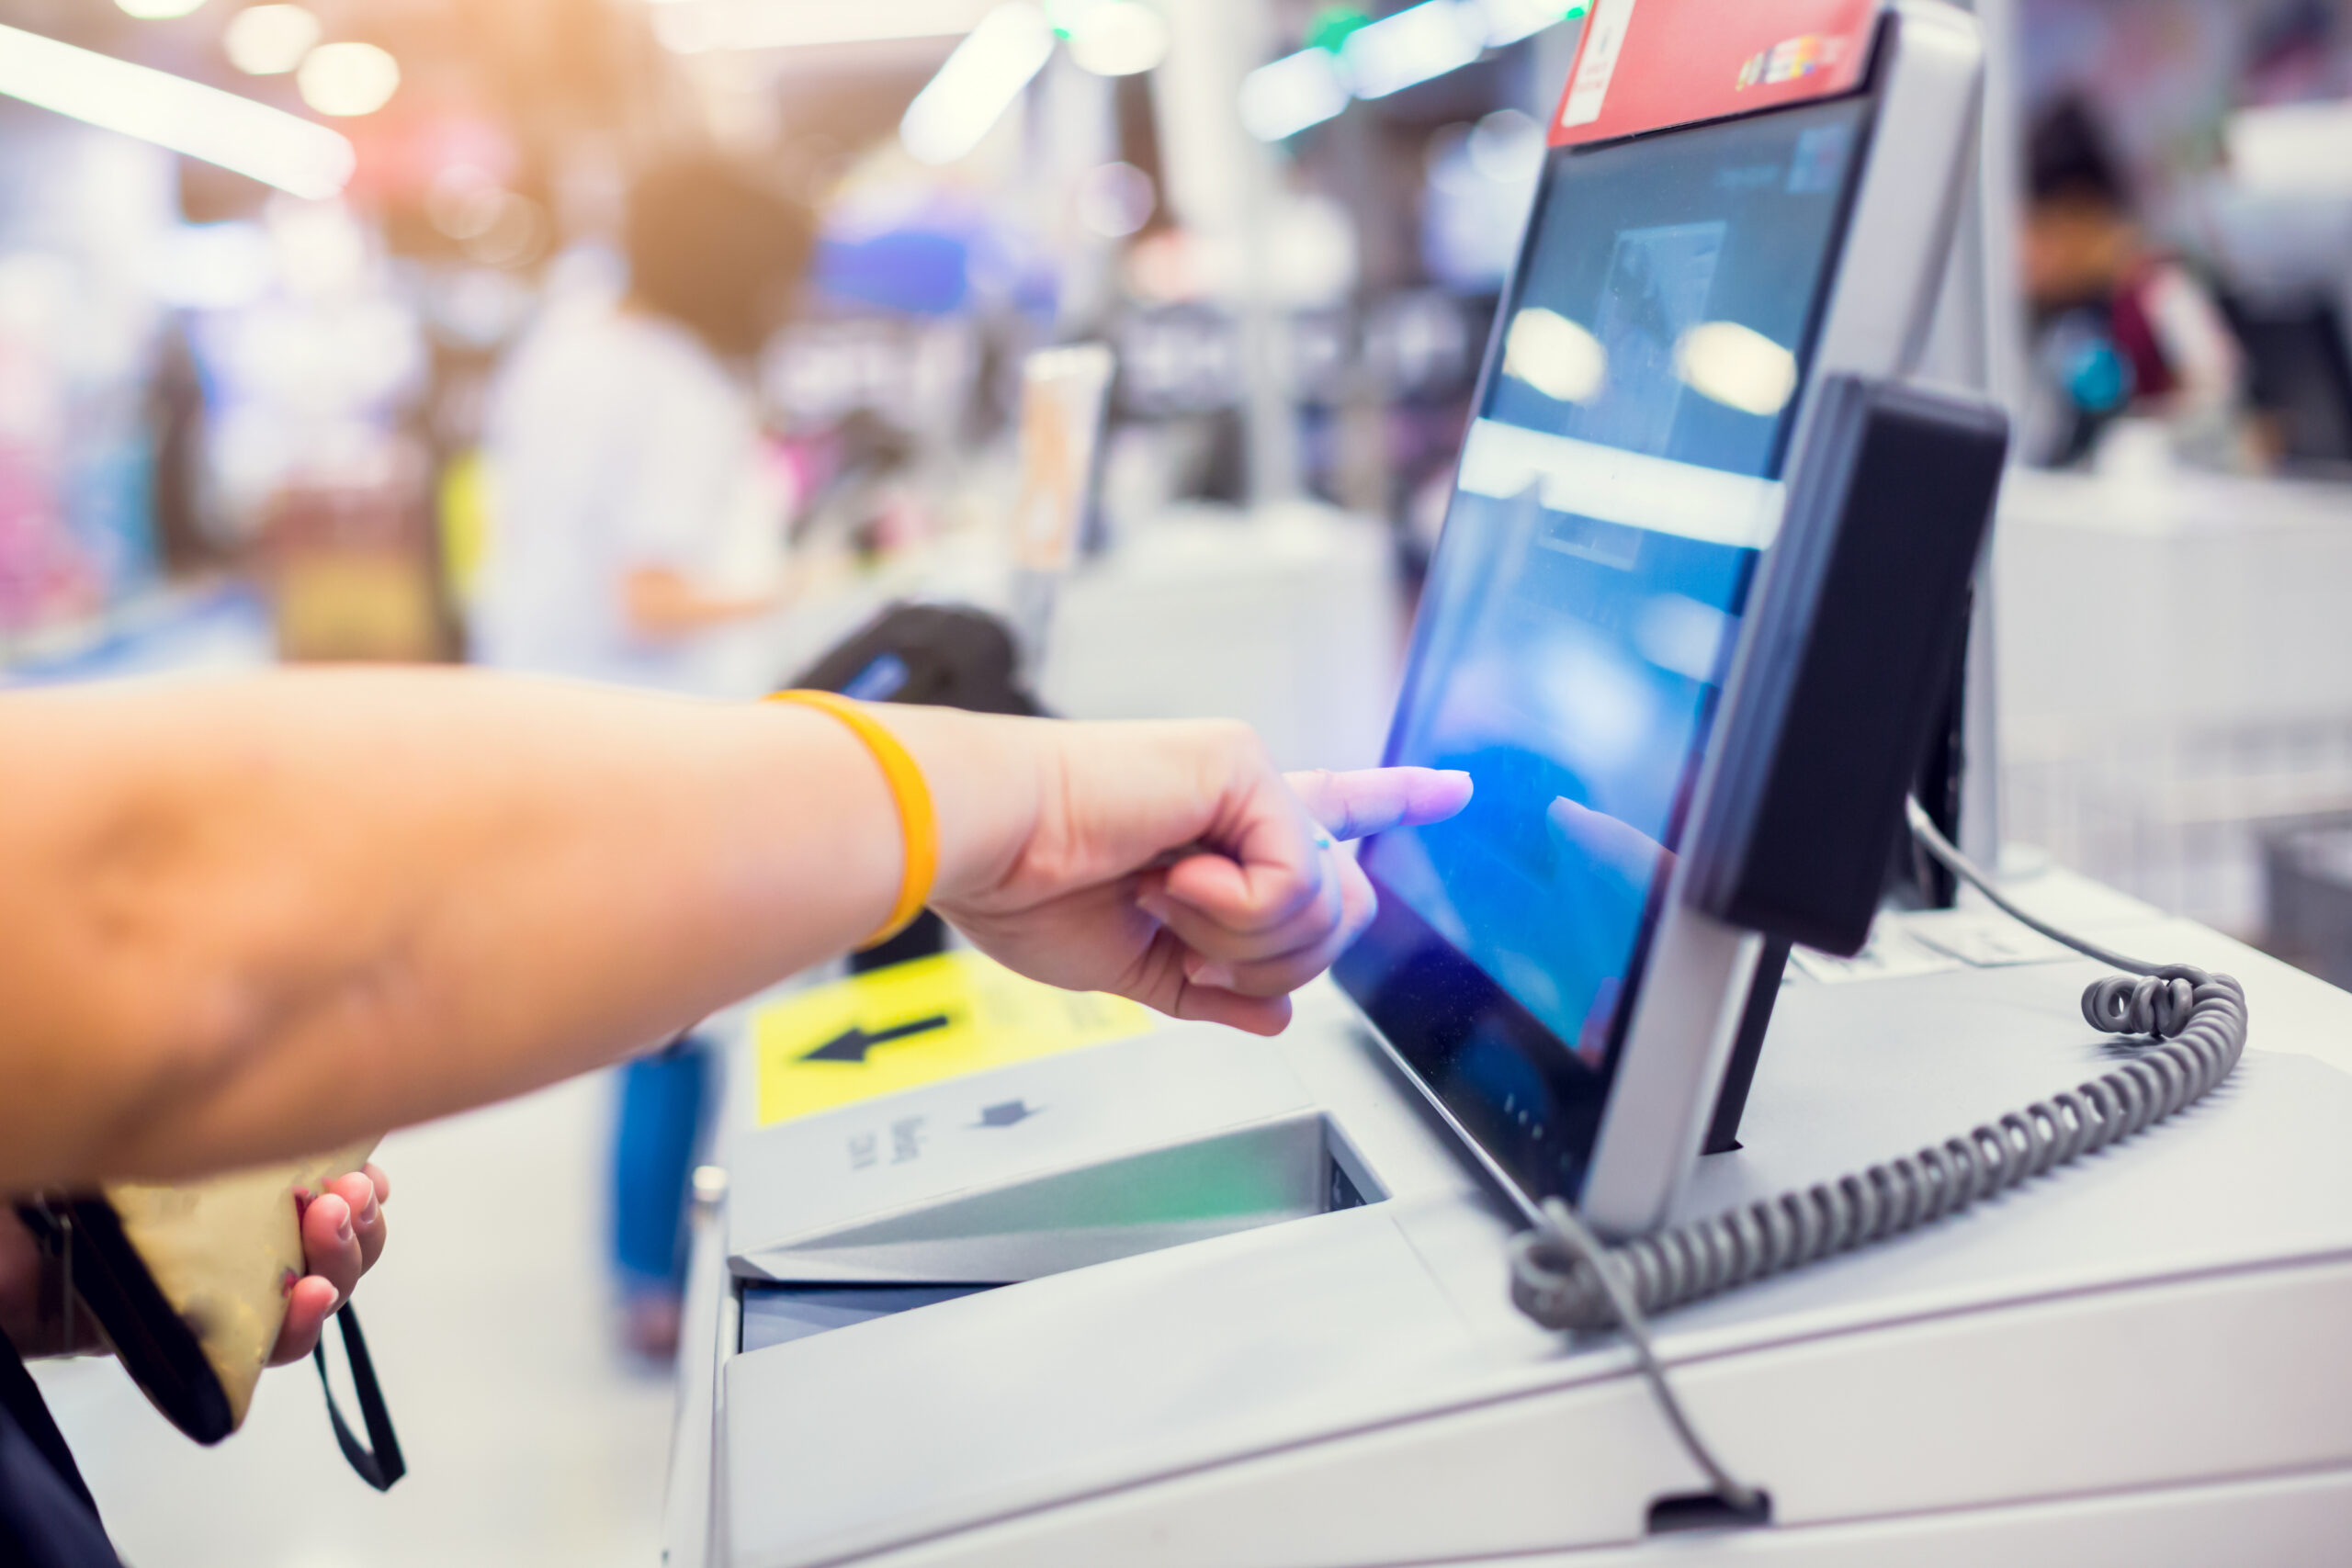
(663, 1099)
(47, 1519)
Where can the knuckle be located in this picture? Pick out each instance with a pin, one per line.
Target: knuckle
(1303, 899)
(1316, 914)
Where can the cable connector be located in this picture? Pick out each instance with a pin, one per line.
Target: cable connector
(1563, 1246)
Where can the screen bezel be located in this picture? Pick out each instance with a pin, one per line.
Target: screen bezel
(1427, 1003)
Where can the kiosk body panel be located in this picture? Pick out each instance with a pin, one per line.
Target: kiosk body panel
(1580, 1467)
(1314, 1373)
(1191, 1133)
(1353, 1388)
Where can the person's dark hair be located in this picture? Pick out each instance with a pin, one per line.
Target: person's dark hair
(713, 249)
(2068, 157)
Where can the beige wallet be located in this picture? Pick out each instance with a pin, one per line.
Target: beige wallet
(188, 1280)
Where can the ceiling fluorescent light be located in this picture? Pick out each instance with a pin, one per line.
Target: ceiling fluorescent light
(1429, 40)
(1508, 22)
(278, 149)
(269, 40)
(988, 70)
(1118, 38)
(1735, 366)
(696, 27)
(349, 79)
(1284, 98)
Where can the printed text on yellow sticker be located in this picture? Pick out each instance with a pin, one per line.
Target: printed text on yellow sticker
(917, 1023)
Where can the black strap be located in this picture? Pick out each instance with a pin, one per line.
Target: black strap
(105, 1274)
(379, 1463)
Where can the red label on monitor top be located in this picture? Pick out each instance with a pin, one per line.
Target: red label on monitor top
(1647, 64)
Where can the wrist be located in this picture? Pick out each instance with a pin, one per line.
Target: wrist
(987, 775)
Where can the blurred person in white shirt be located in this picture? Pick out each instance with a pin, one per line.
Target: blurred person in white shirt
(638, 526)
(637, 537)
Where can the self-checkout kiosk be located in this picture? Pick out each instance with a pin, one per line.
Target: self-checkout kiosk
(997, 1276)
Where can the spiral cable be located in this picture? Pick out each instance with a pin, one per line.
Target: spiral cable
(1565, 1280)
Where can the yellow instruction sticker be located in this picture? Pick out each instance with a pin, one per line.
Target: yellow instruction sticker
(917, 1023)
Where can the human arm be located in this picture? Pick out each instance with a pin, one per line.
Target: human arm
(246, 919)
(661, 606)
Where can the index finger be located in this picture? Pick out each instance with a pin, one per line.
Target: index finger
(1372, 800)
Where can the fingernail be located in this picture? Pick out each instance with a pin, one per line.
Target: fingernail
(1155, 906)
(367, 1214)
(343, 1231)
(1216, 977)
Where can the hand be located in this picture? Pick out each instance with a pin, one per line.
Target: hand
(343, 1234)
(1172, 864)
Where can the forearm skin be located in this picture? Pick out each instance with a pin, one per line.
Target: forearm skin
(244, 920)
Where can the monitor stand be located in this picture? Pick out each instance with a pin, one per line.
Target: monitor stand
(1731, 1101)
(1912, 881)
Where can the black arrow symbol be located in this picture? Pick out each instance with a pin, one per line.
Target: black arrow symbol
(852, 1044)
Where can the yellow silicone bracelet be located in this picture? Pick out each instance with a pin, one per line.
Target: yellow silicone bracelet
(918, 822)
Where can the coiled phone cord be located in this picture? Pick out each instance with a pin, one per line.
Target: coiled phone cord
(1566, 1279)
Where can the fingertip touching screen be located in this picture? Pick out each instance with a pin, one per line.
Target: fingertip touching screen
(1617, 483)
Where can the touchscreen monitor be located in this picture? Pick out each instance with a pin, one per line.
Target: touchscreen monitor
(1621, 475)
